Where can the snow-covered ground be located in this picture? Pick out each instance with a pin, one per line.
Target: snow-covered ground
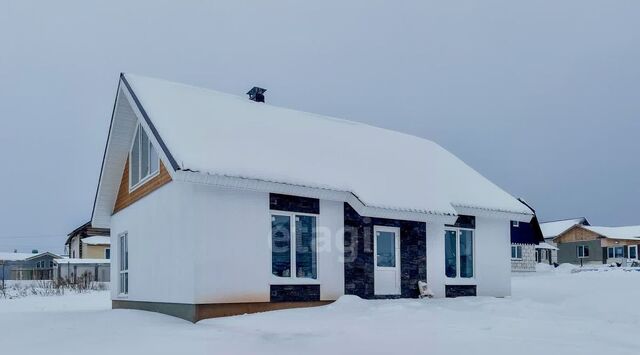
(554, 312)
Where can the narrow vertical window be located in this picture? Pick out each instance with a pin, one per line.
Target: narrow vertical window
(134, 169)
(306, 256)
(450, 253)
(144, 153)
(281, 245)
(123, 247)
(143, 161)
(466, 253)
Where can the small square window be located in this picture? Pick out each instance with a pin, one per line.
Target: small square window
(515, 223)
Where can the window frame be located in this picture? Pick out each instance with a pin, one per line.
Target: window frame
(583, 247)
(123, 264)
(293, 275)
(517, 247)
(635, 247)
(396, 247)
(151, 175)
(611, 252)
(459, 255)
(105, 253)
(515, 224)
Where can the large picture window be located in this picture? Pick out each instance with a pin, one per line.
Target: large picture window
(458, 250)
(123, 263)
(294, 255)
(144, 162)
(616, 252)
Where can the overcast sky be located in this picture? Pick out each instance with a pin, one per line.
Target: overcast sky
(541, 97)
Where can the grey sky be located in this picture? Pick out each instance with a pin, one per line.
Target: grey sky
(542, 97)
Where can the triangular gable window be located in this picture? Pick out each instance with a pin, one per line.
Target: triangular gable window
(143, 159)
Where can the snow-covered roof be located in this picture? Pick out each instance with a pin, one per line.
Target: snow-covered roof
(623, 233)
(15, 256)
(225, 135)
(546, 246)
(82, 261)
(553, 229)
(23, 256)
(97, 240)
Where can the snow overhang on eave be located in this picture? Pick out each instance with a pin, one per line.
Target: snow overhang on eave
(493, 213)
(364, 209)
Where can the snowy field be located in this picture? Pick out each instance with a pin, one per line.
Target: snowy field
(553, 313)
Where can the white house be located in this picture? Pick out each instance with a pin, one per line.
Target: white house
(221, 205)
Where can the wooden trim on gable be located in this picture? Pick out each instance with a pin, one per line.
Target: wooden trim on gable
(126, 198)
(576, 234)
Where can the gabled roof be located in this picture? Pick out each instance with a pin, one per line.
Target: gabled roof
(204, 132)
(25, 256)
(625, 233)
(552, 229)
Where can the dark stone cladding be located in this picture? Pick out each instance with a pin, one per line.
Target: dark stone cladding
(358, 244)
(453, 291)
(295, 293)
(290, 203)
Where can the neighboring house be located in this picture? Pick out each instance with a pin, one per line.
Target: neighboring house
(86, 242)
(74, 270)
(89, 251)
(24, 266)
(525, 237)
(552, 229)
(547, 254)
(582, 244)
(219, 205)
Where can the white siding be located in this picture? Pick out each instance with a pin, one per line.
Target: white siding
(160, 252)
(492, 258)
(191, 243)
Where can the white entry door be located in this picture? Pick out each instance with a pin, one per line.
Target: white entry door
(386, 247)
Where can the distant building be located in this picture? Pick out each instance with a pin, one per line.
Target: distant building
(89, 251)
(525, 237)
(583, 244)
(86, 242)
(552, 229)
(25, 266)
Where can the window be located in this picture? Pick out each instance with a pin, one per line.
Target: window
(143, 161)
(583, 251)
(299, 250)
(633, 252)
(615, 252)
(458, 249)
(123, 247)
(386, 249)
(107, 253)
(515, 223)
(516, 252)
